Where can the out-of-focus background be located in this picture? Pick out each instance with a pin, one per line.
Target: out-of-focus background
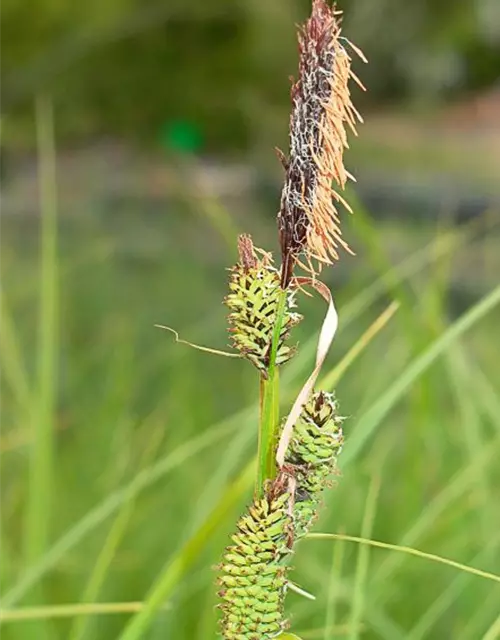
(137, 142)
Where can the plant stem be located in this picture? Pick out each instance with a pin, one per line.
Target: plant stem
(269, 407)
(38, 512)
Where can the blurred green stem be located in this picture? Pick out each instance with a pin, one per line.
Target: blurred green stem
(41, 456)
(269, 414)
(43, 412)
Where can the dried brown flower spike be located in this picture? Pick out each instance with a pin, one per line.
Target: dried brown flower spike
(308, 220)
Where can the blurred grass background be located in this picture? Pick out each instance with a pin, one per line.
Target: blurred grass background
(125, 455)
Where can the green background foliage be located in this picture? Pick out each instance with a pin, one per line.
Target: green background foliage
(125, 67)
(126, 458)
(149, 436)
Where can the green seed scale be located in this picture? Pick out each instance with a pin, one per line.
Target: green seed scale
(253, 301)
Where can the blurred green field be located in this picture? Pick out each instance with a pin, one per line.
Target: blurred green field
(117, 443)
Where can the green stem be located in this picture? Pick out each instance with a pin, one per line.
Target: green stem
(269, 414)
(41, 466)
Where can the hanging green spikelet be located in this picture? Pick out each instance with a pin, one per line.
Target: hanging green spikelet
(312, 456)
(253, 576)
(253, 301)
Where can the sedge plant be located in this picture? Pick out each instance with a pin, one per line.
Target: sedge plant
(298, 456)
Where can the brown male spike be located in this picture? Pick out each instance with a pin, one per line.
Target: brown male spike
(322, 109)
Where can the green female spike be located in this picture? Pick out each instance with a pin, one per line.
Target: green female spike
(253, 577)
(312, 456)
(253, 300)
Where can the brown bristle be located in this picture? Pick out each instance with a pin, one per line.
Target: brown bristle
(322, 111)
(246, 252)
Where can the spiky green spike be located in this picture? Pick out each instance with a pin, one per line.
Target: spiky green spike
(253, 301)
(254, 578)
(254, 567)
(312, 456)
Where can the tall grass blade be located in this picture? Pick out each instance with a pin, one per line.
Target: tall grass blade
(94, 518)
(69, 611)
(438, 608)
(333, 590)
(185, 558)
(482, 618)
(101, 567)
(493, 632)
(362, 564)
(40, 491)
(13, 370)
(374, 416)
(455, 490)
(407, 550)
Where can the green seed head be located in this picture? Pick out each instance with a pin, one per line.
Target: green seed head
(312, 455)
(254, 294)
(253, 581)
